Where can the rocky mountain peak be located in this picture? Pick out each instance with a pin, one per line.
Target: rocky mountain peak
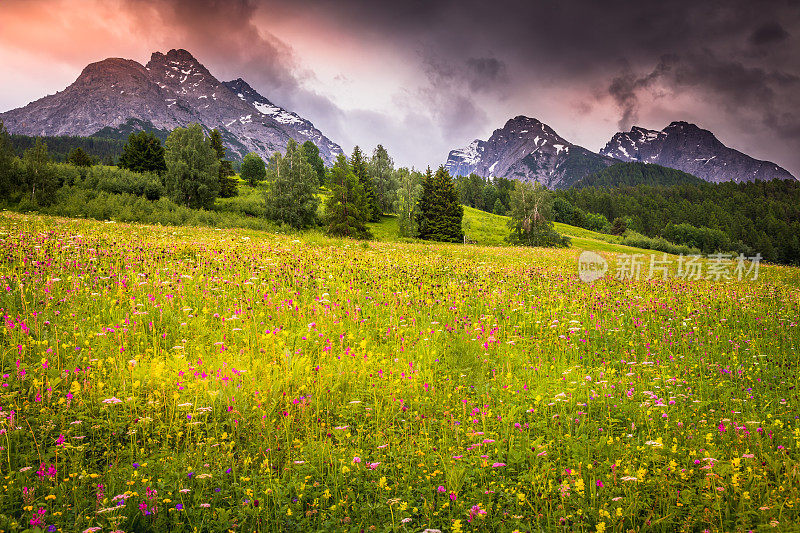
(174, 89)
(690, 148)
(112, 71)
(526, 149)
(176, 55)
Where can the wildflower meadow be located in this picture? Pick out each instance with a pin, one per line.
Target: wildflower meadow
(192, 379)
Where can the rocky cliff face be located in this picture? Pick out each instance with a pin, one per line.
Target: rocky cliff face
(172, 90)
(686, 147)
(527, 150)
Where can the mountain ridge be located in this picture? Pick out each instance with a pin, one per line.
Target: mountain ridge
(527, 149)
(687, 147)
(171, 90)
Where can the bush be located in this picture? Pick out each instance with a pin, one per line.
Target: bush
(597, 222)
(121, 181)
(660, 244)
(80, 201)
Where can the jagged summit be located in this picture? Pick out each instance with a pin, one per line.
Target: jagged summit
(172, 90)
(687, 147)
(527, 149)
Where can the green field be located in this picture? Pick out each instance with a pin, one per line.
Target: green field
(197, 379)
(487, 229)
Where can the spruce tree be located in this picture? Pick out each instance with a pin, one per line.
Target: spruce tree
(440, 213)
(227, 184)
(143, 153)
(359, 166)
(346, 207)
(79, 158)
(499, 208)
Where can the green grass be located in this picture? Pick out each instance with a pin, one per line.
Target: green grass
(188, 379)
(488, 229)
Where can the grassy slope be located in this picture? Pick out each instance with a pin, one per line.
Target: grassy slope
(487, 229)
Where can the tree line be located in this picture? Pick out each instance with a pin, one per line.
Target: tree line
(752, 217)
(191, 171)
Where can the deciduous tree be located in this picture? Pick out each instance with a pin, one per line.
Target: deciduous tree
(311, 152)
(192, 177)
(253, 169)
(291, 196)
(381, 171)
(407, 200)
(40, 178)
(6, 160)
(531, 223)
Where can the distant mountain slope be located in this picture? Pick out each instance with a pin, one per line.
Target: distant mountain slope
(686, 147)
(526, 149)
(632, 174)
(116, 96)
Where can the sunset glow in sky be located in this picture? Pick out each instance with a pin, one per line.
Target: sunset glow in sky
(425, 77)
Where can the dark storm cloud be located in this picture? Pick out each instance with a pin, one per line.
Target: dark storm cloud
(486, 73)
(769, 33)
(451, 88)
(625, 89)
(224, 33)
(740, 58)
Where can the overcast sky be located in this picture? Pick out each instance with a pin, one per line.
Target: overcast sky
(423, 77)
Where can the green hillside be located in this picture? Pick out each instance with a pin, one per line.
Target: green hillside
(632, 174)
(487, 229)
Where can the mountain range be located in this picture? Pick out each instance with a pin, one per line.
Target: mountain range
(529, 150)
(117, 96)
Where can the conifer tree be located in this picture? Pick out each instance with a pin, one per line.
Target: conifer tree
(359, 166)
(79, 158)
(346, 207)
(143, 153)
(440, 213)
